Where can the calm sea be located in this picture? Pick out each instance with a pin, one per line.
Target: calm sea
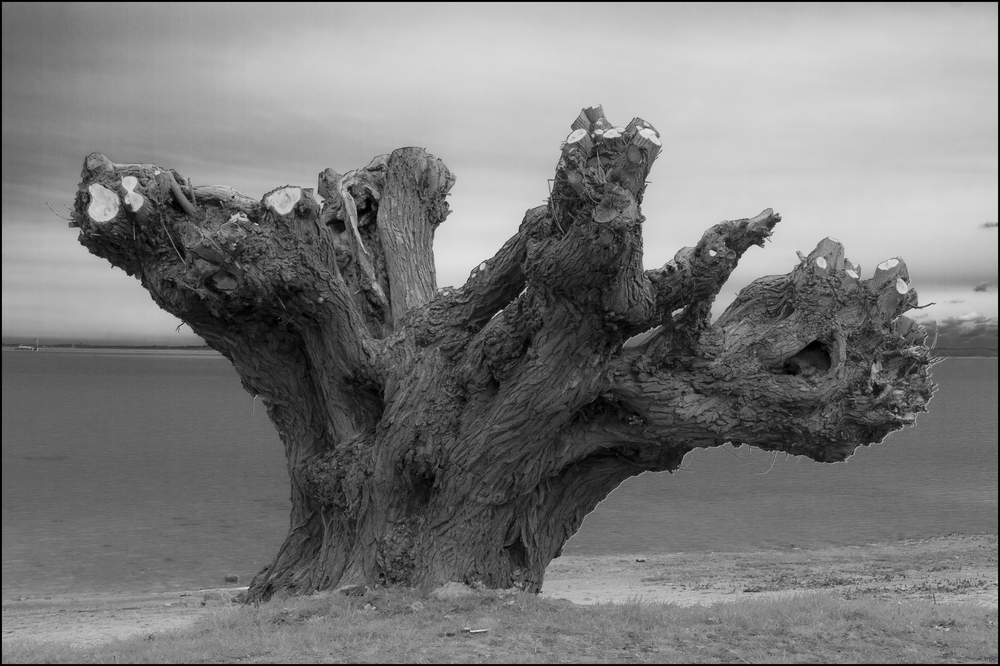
(152, 471)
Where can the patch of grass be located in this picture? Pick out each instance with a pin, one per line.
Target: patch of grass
(401, 625)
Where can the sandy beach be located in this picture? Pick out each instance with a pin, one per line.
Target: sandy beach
(957, 568)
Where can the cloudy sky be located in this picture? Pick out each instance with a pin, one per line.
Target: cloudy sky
(876, 125)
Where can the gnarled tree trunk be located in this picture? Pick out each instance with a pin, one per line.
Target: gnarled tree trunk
(463, 434)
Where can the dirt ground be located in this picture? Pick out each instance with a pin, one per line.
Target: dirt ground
(957, 568)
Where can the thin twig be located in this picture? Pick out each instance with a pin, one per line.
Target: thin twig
(57, 214)
(775, 457)
(172, 241)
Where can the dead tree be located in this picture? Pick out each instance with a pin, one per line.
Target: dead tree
(463, 434)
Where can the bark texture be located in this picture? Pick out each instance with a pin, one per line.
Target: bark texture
(463, 434)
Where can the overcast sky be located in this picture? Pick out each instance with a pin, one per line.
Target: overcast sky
(876, 125)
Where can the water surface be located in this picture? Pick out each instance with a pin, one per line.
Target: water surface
(150, 471)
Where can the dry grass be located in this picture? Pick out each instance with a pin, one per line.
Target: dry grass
(400, 625)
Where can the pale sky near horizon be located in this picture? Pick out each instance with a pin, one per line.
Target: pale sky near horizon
(873, 124)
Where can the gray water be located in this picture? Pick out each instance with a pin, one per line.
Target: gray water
(128, 471)
(937, 478)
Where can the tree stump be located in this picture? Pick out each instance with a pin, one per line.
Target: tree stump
(464, 434)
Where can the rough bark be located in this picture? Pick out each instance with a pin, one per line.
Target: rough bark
(463, 434)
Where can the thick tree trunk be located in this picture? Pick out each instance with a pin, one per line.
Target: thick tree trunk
(463, 434)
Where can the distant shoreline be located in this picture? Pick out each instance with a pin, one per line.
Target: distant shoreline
(972, 352)
(82, 345)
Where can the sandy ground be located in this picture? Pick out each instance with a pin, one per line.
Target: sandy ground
(944, 569)
(958, 568)
(89, 619)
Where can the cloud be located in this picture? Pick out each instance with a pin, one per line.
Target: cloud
(972, 330)
(878, 122)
